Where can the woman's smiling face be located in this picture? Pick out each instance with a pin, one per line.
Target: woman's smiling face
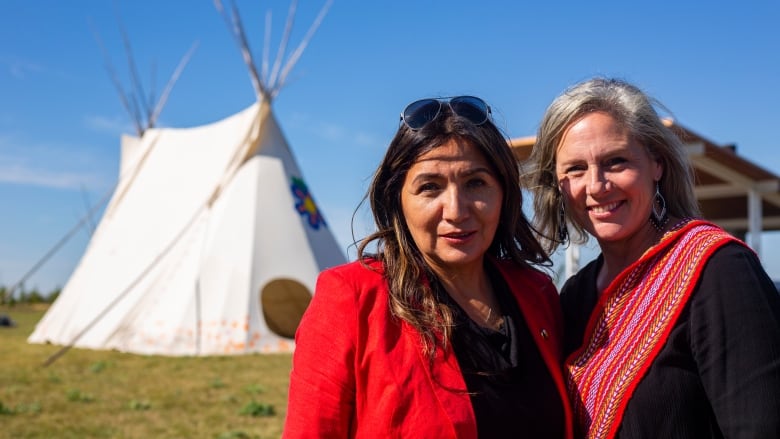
(451, 202)
(607, 178)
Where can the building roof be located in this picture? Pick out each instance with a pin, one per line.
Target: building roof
(724, 181)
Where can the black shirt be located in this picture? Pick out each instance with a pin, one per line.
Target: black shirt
(718, 374)
(511, 390)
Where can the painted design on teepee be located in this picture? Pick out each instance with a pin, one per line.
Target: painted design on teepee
(305, 205)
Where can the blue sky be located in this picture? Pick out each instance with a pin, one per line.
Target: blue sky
(715, 65)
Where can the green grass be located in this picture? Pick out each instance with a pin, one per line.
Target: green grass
(105, 394)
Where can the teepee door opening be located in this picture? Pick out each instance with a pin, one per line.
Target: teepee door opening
(283, 302)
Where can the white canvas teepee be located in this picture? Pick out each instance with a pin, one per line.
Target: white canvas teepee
(210, 245)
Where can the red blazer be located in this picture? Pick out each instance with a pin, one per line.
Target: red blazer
(359, 372)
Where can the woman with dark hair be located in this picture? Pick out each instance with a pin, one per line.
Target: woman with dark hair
(448, 330)
(674, 330)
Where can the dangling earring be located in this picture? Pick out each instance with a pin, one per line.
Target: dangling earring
(563, 231)
(659, 217)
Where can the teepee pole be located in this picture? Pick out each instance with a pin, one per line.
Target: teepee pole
(134, 76)
(136, 101)
(266, 46)
(169, 86)
(282, 45)
(237, 29)
(64, 239)
(123, 97)
(267, 87)
(299, 50)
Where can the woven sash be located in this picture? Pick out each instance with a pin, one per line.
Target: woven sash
(631, 323)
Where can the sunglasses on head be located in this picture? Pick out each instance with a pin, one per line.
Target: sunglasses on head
(420, 113)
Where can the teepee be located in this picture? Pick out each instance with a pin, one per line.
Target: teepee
(210, 244)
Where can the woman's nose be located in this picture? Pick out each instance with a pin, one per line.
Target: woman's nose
(455, 205)
(597, 182)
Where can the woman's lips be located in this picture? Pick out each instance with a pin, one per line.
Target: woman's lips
(605, 208)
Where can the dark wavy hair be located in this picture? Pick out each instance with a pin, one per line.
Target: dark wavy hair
(412, 299)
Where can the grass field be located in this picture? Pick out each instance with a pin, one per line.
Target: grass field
(104, 394)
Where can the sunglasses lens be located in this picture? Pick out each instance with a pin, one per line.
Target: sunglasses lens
(419, 113)
(472, 108)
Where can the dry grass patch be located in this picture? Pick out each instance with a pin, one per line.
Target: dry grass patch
(104, 394)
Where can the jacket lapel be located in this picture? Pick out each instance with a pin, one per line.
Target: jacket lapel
(545, 323)
(446, 380)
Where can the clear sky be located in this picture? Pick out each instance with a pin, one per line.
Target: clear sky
(715, 65)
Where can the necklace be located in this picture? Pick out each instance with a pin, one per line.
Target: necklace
(494, 323)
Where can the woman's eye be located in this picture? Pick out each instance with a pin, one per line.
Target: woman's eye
(476, 182)
(428, 187)
(616, 162)
(575, 169)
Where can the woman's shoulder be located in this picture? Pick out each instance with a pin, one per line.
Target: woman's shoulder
(733, 249)
(578, 293)
(352, 281)
(367, 267)
(585, 277)
(734, 263)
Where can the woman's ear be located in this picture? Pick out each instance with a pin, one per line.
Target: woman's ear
(659, 170)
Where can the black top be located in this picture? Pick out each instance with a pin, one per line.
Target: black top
(512, 392)
(718, 375)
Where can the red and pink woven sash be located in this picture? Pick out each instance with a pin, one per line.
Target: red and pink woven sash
(631, 323)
